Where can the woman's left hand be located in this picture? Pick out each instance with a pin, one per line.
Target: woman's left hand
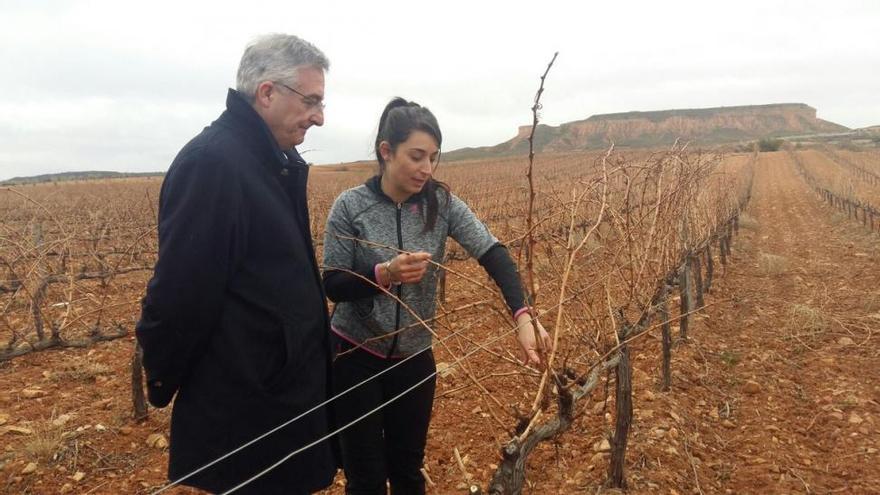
(531, 346)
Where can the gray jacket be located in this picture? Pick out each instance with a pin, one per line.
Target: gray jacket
(366, 213)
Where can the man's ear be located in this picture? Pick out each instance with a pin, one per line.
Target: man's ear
(265, 94)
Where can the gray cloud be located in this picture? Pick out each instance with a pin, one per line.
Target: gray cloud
(119, 86)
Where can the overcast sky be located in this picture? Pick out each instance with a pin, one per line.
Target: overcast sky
(117, 85)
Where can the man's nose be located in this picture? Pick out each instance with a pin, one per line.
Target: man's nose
(317, 117)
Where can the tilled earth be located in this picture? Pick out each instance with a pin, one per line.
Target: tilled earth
(777, 389)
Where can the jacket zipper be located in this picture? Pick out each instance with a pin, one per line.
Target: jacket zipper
(399, 289)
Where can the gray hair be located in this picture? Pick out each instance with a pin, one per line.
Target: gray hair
(275, 57)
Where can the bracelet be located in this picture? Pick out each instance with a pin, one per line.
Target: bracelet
(377, 272)
(391, 280)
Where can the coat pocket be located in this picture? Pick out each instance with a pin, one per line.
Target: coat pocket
(364, 308)
(292, 349)
(250, 345)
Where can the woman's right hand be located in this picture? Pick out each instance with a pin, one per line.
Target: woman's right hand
(533, 339)
(407, 268)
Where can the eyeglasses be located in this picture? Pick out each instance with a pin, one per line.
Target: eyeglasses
(310, 101)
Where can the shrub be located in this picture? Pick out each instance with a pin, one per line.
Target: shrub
(769, 144)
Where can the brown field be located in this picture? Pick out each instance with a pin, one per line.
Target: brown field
(840, 172)
(775, 389)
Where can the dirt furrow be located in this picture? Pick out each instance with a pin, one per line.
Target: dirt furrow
(792, 357)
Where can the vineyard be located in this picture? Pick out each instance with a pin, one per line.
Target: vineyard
(713, 319)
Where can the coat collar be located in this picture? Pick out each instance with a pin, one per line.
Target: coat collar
(241, 115)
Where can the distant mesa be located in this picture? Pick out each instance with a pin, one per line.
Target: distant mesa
(701, 126)
(69, 176)
(874, 130)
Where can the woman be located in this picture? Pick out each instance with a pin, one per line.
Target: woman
(405, 208)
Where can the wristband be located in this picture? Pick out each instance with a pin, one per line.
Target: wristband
(524, 309)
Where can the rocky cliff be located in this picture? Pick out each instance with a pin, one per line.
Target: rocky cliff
(703, 126)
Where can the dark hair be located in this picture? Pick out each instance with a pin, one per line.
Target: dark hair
(397, 122)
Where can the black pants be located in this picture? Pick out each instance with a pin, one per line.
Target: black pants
(390, 443)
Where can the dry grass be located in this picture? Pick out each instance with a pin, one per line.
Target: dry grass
(870, 301)
(592, 243)
(837, 218)
(80, 370)
(748, 222)
(47, 443)
(772, 264)
(804, 319)
(730, 358)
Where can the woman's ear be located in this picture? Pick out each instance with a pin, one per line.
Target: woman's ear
(385, 150)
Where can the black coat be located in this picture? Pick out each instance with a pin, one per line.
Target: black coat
(234, 318)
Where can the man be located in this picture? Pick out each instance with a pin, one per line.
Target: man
(234, 319)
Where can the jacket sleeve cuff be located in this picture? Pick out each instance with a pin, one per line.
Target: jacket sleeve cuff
(160, 393)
